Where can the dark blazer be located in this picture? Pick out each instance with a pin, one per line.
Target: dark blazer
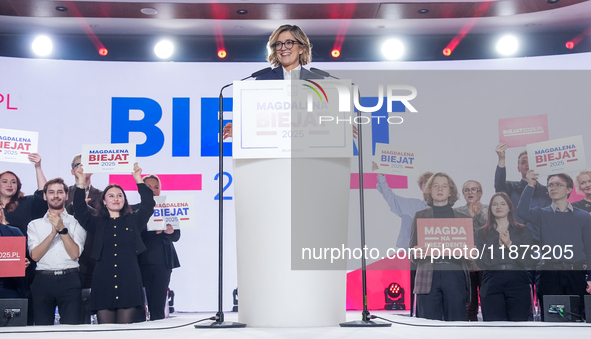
(277, 74)
(94, 195)
(10, 231)
(152, 255)
(424, 276)
(96, 224)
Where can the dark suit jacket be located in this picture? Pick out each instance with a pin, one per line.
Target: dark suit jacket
(277, 74)
(94, 195)
(95, 225)
(424, 276)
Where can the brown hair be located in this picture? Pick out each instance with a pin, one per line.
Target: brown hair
(423, 178)
(453, 189)
(151, 176)
(492, 220)
(13, 203)
(569, 181)
(301, 38)
(520, 155)
(55, 181)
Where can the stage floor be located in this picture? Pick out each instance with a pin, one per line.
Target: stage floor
(180, 325)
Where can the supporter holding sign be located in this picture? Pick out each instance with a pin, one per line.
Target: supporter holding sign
(12, 285)
(159, 259)
(116, 291)
(441, 285)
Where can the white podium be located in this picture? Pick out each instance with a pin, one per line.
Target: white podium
(287, 204)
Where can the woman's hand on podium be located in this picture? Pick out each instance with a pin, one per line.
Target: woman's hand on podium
(228, 131)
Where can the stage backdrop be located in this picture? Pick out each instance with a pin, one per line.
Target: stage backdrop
(170, 111)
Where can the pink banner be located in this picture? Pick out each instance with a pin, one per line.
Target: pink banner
(445, 232)
(370, 181)
(518, 132)
(169, 182)
(12, 257)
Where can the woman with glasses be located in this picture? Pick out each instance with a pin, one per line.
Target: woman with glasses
(472, 191)
(505, 291)
(441, 285)
(288, 49)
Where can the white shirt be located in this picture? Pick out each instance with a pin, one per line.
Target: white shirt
(291, 74)
(56, 257)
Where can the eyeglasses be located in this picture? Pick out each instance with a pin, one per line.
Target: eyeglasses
(473, 190)
(288, 44)
(76, 165)
(556, 185)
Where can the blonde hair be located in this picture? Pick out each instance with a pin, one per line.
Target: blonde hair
(300, 37)
(453, 189)
(585, 171)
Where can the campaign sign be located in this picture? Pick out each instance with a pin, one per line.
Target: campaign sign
(518, 132)
(108, 158)
(393, 159)
(557, 156)
(175, 210)
(16, 145)
(445, 232)
(12, 257)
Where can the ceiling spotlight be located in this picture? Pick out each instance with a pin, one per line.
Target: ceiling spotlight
(61, 9)
(335, 53)
(423, 11)
(222, 54)
(392, 49)
(447, 51)
(42, 46)
(242, 11)
(103, 51)
(570, 45)
(164, 49)
(149, 11)
(507, 45)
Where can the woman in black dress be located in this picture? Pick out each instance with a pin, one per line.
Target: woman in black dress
(584, 187)
(505, 290)
(116, 290)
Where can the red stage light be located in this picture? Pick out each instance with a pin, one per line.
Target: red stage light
(447, 51)
(103, 51)
(570, 44)
(335, 53)
(222, 54)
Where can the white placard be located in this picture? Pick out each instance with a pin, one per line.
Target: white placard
(557, 156)
(16, 145)
(108, 158)
(176, 210)
(396, 159)
(298, 118)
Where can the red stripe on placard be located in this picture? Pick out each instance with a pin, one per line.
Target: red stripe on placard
(25, 152)
(572, 160)
(384, 165)
(158, 219)
(169, 182)
(370, 180)
(408, 167)
(121, 162)
(542, 165)
(93, 163)
(267, 133)
(184, 218)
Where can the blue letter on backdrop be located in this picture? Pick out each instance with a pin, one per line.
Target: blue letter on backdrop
(181, 124)
(121, 126)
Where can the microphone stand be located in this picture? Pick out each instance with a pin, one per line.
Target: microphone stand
(219, 316)
(365, 315)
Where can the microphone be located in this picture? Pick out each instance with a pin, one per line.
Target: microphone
(258, 73)
(322, 73)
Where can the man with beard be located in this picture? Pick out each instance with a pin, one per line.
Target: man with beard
(55, 242)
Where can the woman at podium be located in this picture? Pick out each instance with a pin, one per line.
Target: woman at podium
(288, 50)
